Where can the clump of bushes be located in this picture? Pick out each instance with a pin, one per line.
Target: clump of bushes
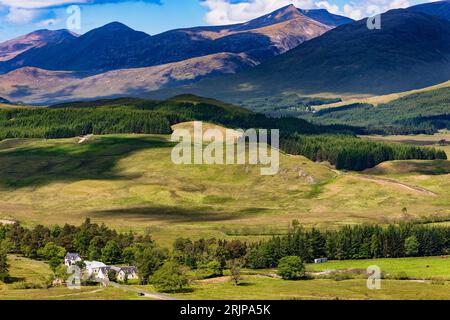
(291, 268)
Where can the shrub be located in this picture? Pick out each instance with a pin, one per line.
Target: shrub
(291, 268)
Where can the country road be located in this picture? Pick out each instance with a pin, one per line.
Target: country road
(145, 294)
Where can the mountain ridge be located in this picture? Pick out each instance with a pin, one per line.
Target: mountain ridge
(39, 38)
(99, 51)
(410, 51)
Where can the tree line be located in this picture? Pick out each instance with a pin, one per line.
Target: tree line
(96, 242)
(65, 123)
(210, 257)
(352, 153)
(334, 143)
(138, 116)
(352, 242)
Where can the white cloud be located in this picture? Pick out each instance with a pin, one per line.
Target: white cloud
(333, 8)
(33, 4)
(48, 23)
(39, 4)
(20, 16)
(372, 7)
(227, 12)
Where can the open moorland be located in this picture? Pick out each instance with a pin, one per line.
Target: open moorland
(130, 183)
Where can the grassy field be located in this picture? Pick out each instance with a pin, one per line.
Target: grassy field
(376, 100)
(129, 182)
(265, 288)
(13, 106)
(420, 139)
(417, 268)
(252, 287)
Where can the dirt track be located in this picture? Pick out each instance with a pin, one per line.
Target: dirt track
(385, 181)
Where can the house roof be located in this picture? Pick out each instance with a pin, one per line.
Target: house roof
(72, 256)
(104, 269)
(128, 270)
(94, 264)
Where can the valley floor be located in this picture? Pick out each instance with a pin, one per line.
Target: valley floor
(257, 286)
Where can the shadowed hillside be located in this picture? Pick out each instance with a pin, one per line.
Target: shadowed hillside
(410, 51)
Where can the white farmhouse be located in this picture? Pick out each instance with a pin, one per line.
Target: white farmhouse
(71, 259)
(102, 273)
(93, 268)
(129, 273)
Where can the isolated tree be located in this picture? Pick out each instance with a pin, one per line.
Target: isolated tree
(235, 266)
(411, 246)
(170, 277)
(291, 268)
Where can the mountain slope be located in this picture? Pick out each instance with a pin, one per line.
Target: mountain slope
(38, 86)
(412, 50)
(439, 8)
(323, 16)
(36, 39)
(422, 112)
(89, 51)
(116, 46)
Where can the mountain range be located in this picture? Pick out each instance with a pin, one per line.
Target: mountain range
(116, 46)
(117, 60)
(410, 51)
(307, 52)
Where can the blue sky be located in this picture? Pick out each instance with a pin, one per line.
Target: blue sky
(18, 17)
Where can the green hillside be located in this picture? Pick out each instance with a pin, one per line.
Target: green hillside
(424, 112)
(136, 116)
(129, 182)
